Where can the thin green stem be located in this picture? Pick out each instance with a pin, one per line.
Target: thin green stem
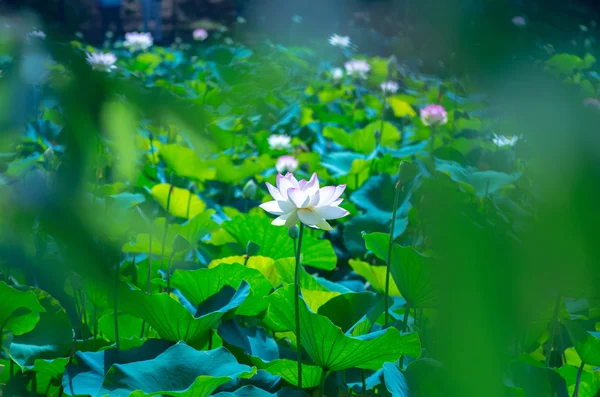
(116, 307)
(389, 254)
(364, 382)
(164, 240)
(554, 325)
(404, 327)
(578, 380)
(169, 271)
(297, 303)
(432, 142)
(344, 384)
(322, 384)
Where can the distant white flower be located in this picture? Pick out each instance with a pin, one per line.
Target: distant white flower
(501, 140)
(339, 41)
(286, 163)
(357, 68)
(297, 19)
(591, 103)
(434, 115)
(280, 142)
(135, 41)
(200, 34)
(37, 34)
(103, 62)
(389, 87)
(519, 21)
(337, 73)
(240, 20)
(304, 201)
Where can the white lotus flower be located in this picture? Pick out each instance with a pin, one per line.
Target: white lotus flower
(286, 163)
(280, 142)
(103, 62)
(389, 87)
(305, 202)
(337, 73)
(200, 34)
(339, 41)
(138, 41)
(357, 68)
(502, 140)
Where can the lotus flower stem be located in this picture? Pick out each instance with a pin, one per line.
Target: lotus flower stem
(322, 384)
(298, 250)
(116, 307)
(432, 141)
(389, 254)
(578, 380)
(404, 326)
(555, 326)
(169, 271)
(364, 382)
(164, 241)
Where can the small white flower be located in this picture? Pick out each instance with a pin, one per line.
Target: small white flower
(103, 62)
(280, 142)
(389, 87)
(286, 163)
(339, 41)
(200, 34)
(304, 201)
(519, 21)
(337, 73)
(37, 34)
(501, 140)
(357, 68)
(297, 19)
(135, 41)
(240, 20)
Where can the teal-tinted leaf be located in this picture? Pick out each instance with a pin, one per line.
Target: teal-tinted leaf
(340, 163)
(275, 242)
(52, 337)
(252, 391)
(174, 322)
(178, 371)
(199, 285)
(412, 272)
(85, 374)
(330, 348)
(265, 354)
(394, 380)
(483, 182)
(18, 310)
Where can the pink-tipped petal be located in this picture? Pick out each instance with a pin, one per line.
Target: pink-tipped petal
(274, 192)
(337, 202)
(325, 195)
(272, 207)
(329, 212)
(290, 177)
(314, 199)
(312, 186)
(299, 198)
(284, 186)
